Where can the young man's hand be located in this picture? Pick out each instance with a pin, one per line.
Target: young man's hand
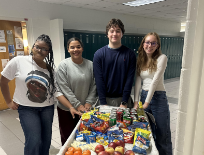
(136, 105)
(123, 106)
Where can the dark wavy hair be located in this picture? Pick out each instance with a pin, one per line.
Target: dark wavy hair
(142, 56)
(74, 39)
(113, 23)
(49, 62)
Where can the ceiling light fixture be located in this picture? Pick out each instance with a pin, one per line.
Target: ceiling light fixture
(141, 2)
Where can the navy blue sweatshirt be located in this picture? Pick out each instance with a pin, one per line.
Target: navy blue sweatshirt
(114, 71)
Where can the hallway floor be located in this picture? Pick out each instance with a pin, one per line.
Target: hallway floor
(12, 137)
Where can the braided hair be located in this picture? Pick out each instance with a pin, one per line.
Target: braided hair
(49, 62)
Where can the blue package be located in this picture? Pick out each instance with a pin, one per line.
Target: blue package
(79, 137)
(91, 138)
(139, 150)
(115, 135)
(92, 120)
(143, 124)
(141, 145)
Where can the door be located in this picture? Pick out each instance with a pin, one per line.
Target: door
(12, 43)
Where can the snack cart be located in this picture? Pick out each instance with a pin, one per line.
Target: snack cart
(152, 150)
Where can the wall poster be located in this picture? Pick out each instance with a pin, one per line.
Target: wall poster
(18, 32)
(20, 53)
(2, 48)
(4, 62)
(2, 36)
(19, 43)
(11, 49)
(10, 37)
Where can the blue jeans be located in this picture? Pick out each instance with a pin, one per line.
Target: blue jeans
(159, 108)
(36, 123)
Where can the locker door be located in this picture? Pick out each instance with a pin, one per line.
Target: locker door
(88, 47)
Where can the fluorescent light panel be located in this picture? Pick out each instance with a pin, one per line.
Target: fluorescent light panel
(142, 2)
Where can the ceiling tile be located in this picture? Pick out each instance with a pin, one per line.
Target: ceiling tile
(118, 1)
(54, 1)
(70, 3)
(85, 1)
(101, 4)
(119, 7)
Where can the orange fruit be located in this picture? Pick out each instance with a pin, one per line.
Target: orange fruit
(69, 153)
(78, 149)
(77, 153)
(72, 149)
(87, 152)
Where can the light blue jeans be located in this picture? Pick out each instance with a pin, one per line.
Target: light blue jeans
(159, 108)
(36, 123)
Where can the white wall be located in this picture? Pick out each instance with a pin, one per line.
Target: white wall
(39, 15)
(190, 127)
(57, 38)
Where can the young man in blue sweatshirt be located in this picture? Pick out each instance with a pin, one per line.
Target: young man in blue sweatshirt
(114, 68)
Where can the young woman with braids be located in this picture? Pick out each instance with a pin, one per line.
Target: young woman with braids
(34, 94)
(151, 65)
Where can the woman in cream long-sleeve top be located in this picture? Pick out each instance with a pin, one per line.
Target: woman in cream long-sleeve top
(151, 65)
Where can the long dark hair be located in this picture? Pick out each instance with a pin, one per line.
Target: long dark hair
(49, 62)
(142, 56)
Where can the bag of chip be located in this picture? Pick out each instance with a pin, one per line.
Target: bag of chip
(115, 135)
(128, 136)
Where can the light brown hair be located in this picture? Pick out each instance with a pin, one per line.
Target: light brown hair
(142, 56)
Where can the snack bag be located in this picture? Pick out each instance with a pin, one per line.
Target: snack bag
(84, 133)
(141, 125)
(83, 125)
(128, 136)
(87, 115)
(142, 132)
(104, 117)
(93, 120)
(141, 144)
(121, 124)
(100, 126)
(79, 136)
(91, 138)
(101, 140)
(115, 135)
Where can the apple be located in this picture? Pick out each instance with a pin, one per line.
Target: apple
(117, 153)
(103, 153)
(99, 148)
(129, 152)
(120, 149)
(110, 150)
(120, 143)
(113, 145)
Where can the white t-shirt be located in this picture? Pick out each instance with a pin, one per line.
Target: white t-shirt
(152, 81)
(31, 82)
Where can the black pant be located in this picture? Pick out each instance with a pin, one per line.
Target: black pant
(66, 124)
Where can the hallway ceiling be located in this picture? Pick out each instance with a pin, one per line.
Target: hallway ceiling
(173, 10)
